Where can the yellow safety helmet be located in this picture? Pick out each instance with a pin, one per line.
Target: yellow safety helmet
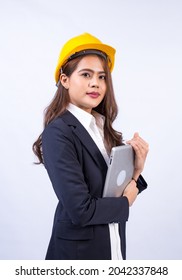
(80, 43)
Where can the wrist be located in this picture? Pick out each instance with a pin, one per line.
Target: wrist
(133, 179)
(136, 175)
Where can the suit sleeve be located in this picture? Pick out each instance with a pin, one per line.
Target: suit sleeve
(65, 172)
(141, 184)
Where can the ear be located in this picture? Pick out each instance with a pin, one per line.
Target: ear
(64, 81)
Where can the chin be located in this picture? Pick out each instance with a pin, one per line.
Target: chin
(95, 104)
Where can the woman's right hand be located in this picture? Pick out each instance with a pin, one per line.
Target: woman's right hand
(141, 149)
(131, 192)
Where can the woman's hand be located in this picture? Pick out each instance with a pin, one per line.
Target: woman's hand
(131, 192)
(141, 149)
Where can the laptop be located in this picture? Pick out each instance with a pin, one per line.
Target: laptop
(120, 170)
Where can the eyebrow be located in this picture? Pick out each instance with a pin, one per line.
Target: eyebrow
(90, 70)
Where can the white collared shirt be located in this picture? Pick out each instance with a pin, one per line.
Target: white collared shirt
(94, 124)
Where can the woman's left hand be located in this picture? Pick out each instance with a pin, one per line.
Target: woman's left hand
(141, 149)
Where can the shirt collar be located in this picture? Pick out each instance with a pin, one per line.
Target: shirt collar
(100, 119)
(85, 118)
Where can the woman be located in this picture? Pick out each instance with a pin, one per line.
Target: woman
(75, 147)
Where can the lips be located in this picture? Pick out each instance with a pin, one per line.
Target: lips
(93, 94)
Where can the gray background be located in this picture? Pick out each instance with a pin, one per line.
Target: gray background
(147, 82)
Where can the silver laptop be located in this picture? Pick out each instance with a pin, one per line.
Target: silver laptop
(120, 170)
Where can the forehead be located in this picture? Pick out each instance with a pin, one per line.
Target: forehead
(93, 62)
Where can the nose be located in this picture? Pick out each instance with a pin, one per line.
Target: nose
(94, 83)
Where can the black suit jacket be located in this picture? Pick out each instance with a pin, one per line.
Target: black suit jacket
(77, 171)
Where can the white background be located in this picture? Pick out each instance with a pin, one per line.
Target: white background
(147, 81)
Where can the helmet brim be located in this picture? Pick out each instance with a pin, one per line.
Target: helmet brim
(108, 50)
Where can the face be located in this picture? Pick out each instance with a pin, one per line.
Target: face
(87, 84)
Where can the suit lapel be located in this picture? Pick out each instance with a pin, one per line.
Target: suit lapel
(79, 130)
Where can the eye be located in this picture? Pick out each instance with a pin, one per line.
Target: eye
(86, 75)
(102, 77)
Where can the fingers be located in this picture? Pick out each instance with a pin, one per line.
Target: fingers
(136, 134)
(138, 143)
(141, 149)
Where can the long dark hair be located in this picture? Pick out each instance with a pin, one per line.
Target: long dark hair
(59, 103)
